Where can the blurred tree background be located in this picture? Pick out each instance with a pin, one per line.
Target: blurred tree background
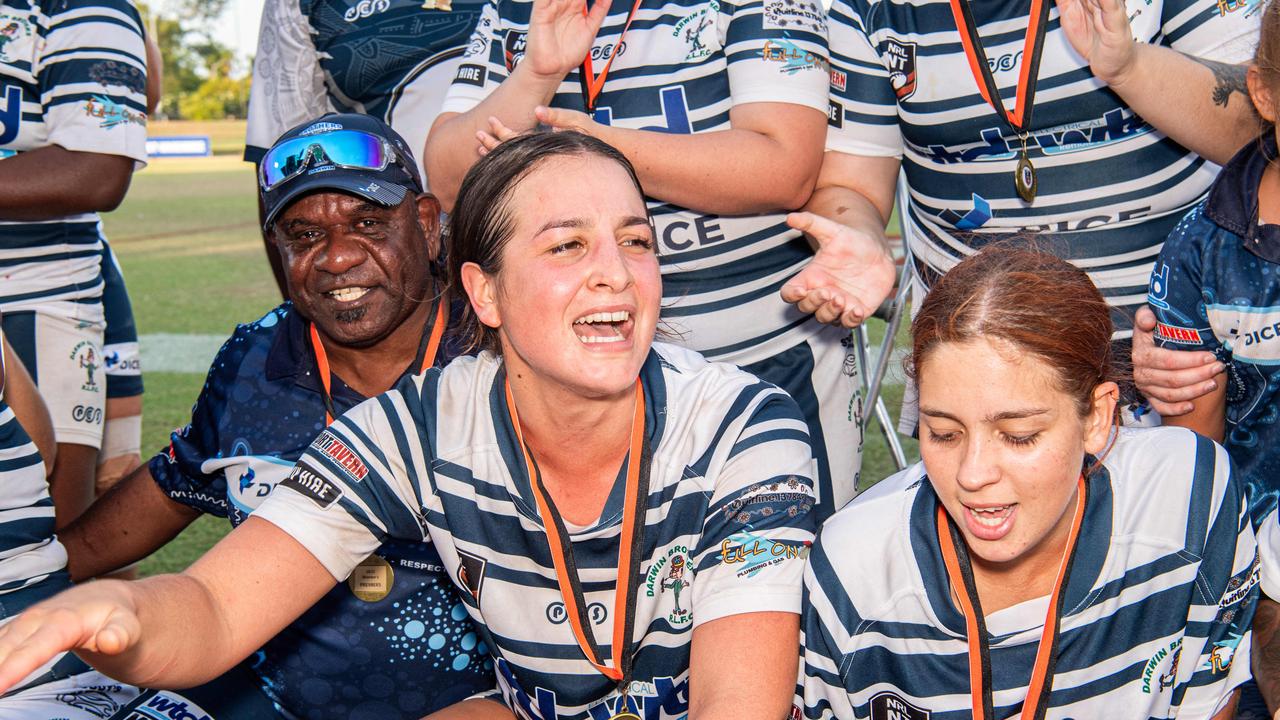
(202, 78)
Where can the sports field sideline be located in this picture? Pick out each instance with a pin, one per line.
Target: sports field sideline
(192, 255)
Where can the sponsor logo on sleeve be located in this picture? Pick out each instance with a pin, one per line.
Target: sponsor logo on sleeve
(343, 456)
(889, 706)
(513, 46)
(1177, 335)
(167, 705)
(792, 58)
(839, 80)
(835, 114)
(472, 74)
(795, 15)
(310, 483)
(900, 58)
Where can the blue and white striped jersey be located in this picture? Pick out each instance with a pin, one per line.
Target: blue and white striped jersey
(73, 74)
(1111, 186)
(393, 59)
(31, 558)
(680, 68)
(1156, 615)
(727, 527)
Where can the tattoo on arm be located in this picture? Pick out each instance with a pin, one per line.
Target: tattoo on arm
(1266, 651)
(1230, 79)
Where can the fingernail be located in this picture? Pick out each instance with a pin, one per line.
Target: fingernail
(1213, 385)
(1219, 368)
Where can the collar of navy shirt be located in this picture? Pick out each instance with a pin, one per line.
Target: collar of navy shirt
(1233, 199)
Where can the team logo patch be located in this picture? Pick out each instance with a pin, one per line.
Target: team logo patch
(513, 47)
(1177, 335)
(472, 74)
(310, 483)
(835, 114)
(13, 30)
(343, 456)
(471, 569)
(696, 30)
(900, 58)
(1154, 681)
(888, 706)
(86, 357)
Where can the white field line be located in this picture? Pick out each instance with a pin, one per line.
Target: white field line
(179, 353)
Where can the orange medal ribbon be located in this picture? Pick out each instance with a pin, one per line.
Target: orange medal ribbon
(591, 83)
(960, 574)
(629, 551)
(1020, 119)
(426, 353)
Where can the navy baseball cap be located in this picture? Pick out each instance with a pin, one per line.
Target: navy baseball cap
(348, 152)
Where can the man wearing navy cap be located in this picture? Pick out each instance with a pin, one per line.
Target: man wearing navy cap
(344, 203)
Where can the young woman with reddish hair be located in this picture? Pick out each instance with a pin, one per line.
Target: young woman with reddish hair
(1040, 561)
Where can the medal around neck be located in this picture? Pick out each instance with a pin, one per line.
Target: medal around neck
(625, 715)
(1024, 178)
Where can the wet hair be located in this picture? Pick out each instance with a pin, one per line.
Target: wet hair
(1034, 301)
(481, 223)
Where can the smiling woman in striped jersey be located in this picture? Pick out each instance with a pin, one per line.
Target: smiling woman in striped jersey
(620, 516)
(1040, 561)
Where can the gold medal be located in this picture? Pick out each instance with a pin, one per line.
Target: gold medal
(372, 579)
(1024, 178)
(625, 715)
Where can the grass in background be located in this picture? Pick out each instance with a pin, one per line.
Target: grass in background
(188, 241)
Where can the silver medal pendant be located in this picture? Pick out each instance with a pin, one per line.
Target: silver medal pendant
(1024, 178)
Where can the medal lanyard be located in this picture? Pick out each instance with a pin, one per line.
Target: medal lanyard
(592, 84)
(1032, 48)
(629, 550)
(427, 349)
(956, 557)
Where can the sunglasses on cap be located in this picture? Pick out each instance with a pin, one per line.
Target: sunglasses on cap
(352, 149)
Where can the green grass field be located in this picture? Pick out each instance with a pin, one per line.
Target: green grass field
(193, 260)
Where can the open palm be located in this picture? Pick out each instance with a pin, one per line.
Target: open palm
(1099, 30)
(561, 33)
(848, 278)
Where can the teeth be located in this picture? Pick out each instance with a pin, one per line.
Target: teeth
(991, 517)
(348, 294)
(589, 340)
(604, 317)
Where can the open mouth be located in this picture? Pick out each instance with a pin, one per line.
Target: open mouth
(348, 294)
(990, 522)
(600, 328)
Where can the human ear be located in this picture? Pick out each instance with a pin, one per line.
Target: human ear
(1101, 417)
(1260, 93)
(482, 293)
(429, 221)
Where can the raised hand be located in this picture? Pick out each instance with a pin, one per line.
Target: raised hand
(848, 278)
(1099, 30)
(97, 617)
(561, 33)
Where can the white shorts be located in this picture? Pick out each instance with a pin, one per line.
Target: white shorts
(62, 350)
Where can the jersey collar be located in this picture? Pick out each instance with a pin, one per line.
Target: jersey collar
(1091, 551)
(1233, 200)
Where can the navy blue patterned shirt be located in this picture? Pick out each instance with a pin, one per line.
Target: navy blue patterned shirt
(393, 641)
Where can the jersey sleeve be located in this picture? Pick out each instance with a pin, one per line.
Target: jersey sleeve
(92, 79)
(484, 62)
(759, 524)
(1217, 638)
(1176, 290)
(776, 51)
(863, 115)
(179, 469)
(288, 85)
(356, 485)
(826, 612)
(1221, 30)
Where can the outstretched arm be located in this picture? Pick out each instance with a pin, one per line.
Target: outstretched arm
(139, 632)
(1202, 104)
(767, 642)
